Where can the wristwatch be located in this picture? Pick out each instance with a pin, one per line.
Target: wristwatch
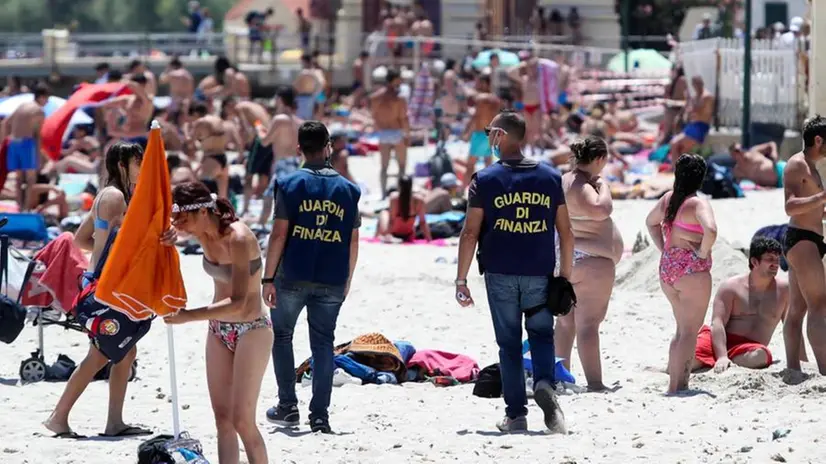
(459, 282)
(267, 280)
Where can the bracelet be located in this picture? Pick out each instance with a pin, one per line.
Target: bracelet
(267, 280)
(459, 282)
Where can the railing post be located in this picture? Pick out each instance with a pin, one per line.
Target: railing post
(274, 50)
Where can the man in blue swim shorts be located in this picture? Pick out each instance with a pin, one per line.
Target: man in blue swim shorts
(700, 114)
(487, 107)
(23, 130)
(389, 112)
(308, 85)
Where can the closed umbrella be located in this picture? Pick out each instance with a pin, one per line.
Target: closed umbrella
(506, 59)
(643, 59)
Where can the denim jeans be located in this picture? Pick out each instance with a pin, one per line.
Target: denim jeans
(323, 304)
(509, 296)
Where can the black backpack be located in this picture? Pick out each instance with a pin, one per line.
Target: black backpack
(489, 383)
(720, 183)
(439, 164)
(12, 313)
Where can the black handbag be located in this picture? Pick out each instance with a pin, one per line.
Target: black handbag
(561, 298)
(12, 313)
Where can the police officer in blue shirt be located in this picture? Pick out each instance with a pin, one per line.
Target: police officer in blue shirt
(311, 257)
(514, 206)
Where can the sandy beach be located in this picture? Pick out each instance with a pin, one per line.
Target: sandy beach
(406, 293)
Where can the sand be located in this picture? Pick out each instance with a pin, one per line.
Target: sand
(406, 293)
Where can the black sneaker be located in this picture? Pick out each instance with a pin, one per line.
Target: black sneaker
(285, 416)
(320, 425)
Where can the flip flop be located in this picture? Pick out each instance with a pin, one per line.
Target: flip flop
(72, 435)
(130, 431)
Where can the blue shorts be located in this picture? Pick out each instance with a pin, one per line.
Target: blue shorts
(22, 155)
(283, 167)
(696, 130)
(390, 136)
(305, 104)
(111, 332)
(479, 146)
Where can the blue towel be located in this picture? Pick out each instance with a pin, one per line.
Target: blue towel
(29, 227)
(560, 373)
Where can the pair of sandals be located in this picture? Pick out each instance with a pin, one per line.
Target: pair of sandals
(130, 431)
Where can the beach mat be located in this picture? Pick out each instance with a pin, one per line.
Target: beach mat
(438, 242)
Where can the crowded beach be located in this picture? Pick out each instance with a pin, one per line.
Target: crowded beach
(180, 228)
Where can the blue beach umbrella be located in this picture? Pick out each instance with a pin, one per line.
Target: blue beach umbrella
(9, 105)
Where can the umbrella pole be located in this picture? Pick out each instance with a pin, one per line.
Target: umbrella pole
(173, 380)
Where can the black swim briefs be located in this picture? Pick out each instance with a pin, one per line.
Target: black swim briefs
(795, 235)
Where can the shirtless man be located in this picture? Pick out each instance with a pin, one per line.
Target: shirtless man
(487, 107)
(23, 152)
(450, 93)
(339, 154)
(804, 248)
(130, 119)
(250, 116)
(225, 81)
(389, 112)
(282, 136)
(212, 136)
(81, 155)
(358, 78)
(308, 85)
(747, 309)
(526, 75)
(760, 164)
(137, 68)
(700, 114)
(181, 88)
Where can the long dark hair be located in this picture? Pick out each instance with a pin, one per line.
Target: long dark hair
(689, 173)
(405, 196)
(191, 193)
(120, 155)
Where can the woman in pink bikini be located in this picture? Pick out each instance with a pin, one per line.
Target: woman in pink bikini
(240, 332)
(683, 228)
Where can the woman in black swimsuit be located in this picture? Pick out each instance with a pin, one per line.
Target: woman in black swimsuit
(240, 332)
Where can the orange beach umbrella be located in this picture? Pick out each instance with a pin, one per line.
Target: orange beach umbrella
(142, 277)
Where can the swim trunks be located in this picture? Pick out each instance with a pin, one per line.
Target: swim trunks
(479, 146)
(696, 130)
(531, 109)
(795, 235)
(737, 345)
(259, 160)
(21, 155)
(282, 168)
(110, 331)
(778, 168)
(305, 104)
(390, 136)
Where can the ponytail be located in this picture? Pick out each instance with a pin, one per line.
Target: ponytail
(226, 214)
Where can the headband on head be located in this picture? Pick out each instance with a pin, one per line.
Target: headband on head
(195, 206)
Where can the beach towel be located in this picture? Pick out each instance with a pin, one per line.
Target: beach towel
(57, 285)
(51, 133)
(441, 363)
(142, 277)
(420, 109)
(548, 84)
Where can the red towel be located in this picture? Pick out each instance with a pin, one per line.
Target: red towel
(440, 363)
(58, 284)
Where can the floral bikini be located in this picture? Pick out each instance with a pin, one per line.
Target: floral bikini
(678, 262)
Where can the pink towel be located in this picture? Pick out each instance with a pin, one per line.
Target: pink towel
(434, 362)
(59, 283)
(437, 242)
(548, 84)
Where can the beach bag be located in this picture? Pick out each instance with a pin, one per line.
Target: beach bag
(165, 449)
(719, 183)
(489, 383)
(12, 313)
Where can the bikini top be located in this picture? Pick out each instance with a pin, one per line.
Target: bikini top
(223, 272)
(688, 227)
(100, 223)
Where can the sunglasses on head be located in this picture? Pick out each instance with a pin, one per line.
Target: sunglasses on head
(489, 129)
